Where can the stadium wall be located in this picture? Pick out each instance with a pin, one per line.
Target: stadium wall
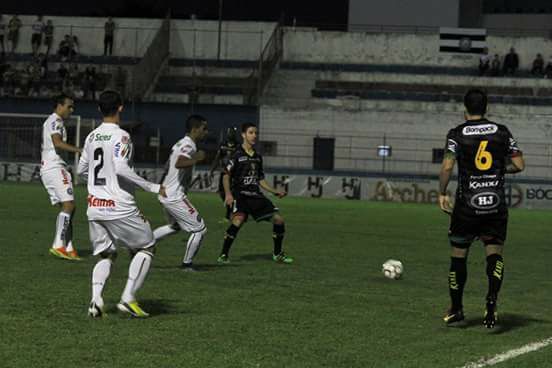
(308, 45)
(413, 134)
(189, 38)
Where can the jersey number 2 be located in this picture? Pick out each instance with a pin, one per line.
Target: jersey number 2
(483, 159)
(98, 154)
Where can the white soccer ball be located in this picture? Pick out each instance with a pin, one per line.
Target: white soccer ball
(392, 269)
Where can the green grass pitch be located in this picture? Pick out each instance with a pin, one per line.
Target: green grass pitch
(331, 308)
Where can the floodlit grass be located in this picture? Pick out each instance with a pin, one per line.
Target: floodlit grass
(331, 308)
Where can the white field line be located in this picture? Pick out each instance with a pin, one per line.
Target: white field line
(510, 354)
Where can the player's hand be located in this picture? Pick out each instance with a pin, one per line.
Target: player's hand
(199, 156)
(162, 192)
(229, 200)
(444, 203)
(280, 194)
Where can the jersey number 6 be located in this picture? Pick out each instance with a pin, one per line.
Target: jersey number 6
(483, 159)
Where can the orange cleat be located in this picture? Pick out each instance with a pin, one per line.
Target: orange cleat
(60, 253)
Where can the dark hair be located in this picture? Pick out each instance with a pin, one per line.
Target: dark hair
(246, 126)
(194, 122)
(475, 102)
(109, 102)
(60, 99)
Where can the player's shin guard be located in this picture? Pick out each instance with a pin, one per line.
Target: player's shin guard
(193, 245)
(278, 231)
(457, 280)
(137, 272)
(100, 274)
(62, 224)
(229, 237)
(495, 274)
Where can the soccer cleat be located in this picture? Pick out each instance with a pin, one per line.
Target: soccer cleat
(95, 310)
(491, 315)
(60, 253)
(282, 258)
(453, 316)
(73, 255)
(223, 259)
(133, 309)
(188, 267)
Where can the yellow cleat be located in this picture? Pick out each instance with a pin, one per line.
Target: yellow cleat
(133, 309)
(60, 253)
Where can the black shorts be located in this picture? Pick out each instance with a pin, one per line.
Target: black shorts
(36, 38)
(489, 229)
(261, 208)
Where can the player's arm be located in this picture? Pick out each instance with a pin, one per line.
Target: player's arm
(445, 174)
(123, 170)
(516, 165)
(184, 161)
(60, 144)
(82, 168)
(279, 193)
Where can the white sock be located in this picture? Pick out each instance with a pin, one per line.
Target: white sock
(137, 272)
(69, 247)
(193, 245)
(163, 231)
(100, 274)
(62, 223)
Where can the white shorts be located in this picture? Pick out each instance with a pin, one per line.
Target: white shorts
(183, 213)
(133, 232)
(58, 184)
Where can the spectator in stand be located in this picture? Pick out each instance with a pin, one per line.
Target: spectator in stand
(3, 30)
(13, 32)
(538, 66)
(62, 72)
(109, 28)
(75, 46)
(484, 62)
(36, 38)
(43, 64)
(548, 69)
(64, 48)
(48, 35)
(120, 81)
(495, 66)
(511, 62)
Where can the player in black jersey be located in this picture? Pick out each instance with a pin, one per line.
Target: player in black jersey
(485, 152)
(242, 181)
(224, 153)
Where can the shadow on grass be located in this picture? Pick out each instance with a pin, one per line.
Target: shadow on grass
(201, 267)
(160, 306)
(256, 257)
(506, 322)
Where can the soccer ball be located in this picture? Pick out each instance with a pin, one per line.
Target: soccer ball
(392, 269)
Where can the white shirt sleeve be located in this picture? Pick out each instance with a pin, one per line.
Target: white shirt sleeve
(82, 169)
(122, 154)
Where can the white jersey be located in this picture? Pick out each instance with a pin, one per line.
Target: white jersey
(50, 159)
(105, 162)
(176, 181)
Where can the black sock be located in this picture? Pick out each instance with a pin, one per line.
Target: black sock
(456, 280)
(495, 273)
(278, 231)
(229, 237)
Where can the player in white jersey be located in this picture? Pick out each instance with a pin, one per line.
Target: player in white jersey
(113, 216)
(55, 177)
(182, 215)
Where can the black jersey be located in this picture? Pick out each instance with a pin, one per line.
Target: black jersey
(246, 171)
(482, 149)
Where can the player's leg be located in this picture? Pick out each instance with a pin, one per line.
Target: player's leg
(493, 236)
(278, 231)
(102, 245)
(172, 226)
(69, 207)
(460, 237)
(135, 232)
(239, 215)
